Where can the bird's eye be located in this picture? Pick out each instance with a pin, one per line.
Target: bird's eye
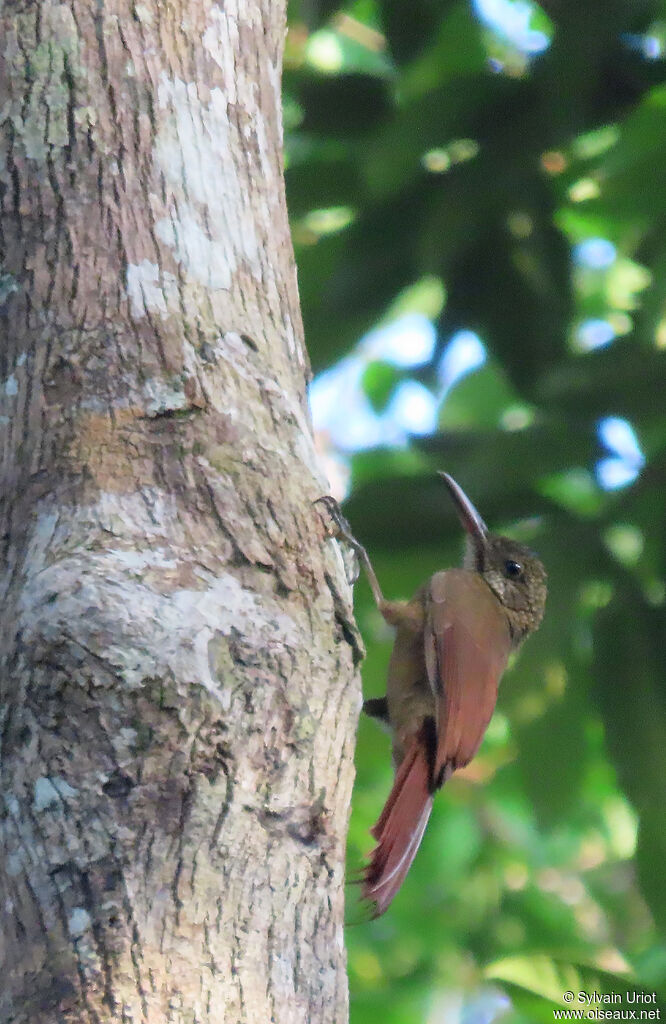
(513, 569)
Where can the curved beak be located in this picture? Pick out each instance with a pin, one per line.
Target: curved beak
(469, 517)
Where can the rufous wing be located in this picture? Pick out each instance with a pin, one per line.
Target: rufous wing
(467, 644)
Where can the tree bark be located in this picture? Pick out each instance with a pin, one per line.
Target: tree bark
(178, 690)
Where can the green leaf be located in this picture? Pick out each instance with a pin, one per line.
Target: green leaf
(478, 401)
(549, 978)
(379, 381)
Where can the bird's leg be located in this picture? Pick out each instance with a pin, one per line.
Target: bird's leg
(395, 613)
(343, 532)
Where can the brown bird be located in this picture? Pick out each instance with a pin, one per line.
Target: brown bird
(452, 643)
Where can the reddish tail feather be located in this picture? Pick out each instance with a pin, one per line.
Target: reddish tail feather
(401, 824)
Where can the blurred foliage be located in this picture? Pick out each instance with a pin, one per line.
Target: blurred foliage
(427, 150)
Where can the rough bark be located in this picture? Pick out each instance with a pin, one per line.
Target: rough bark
(178, 693)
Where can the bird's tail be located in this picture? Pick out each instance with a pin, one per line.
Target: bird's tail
(401, 824)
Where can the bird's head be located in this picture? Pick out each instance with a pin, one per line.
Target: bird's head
(512, 571)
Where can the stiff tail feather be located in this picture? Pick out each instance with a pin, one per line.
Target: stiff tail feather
(401, 825)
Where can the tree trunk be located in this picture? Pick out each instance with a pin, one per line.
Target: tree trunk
(177, 668)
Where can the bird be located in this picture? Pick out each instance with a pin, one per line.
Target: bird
(452, 643)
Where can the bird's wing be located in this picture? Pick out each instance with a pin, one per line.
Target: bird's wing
(467, 643)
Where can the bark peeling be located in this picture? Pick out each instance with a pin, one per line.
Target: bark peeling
(177, 670)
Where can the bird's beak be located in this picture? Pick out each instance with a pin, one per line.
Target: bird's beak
(469, 517)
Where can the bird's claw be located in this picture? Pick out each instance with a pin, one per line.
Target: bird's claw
(336, 526)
